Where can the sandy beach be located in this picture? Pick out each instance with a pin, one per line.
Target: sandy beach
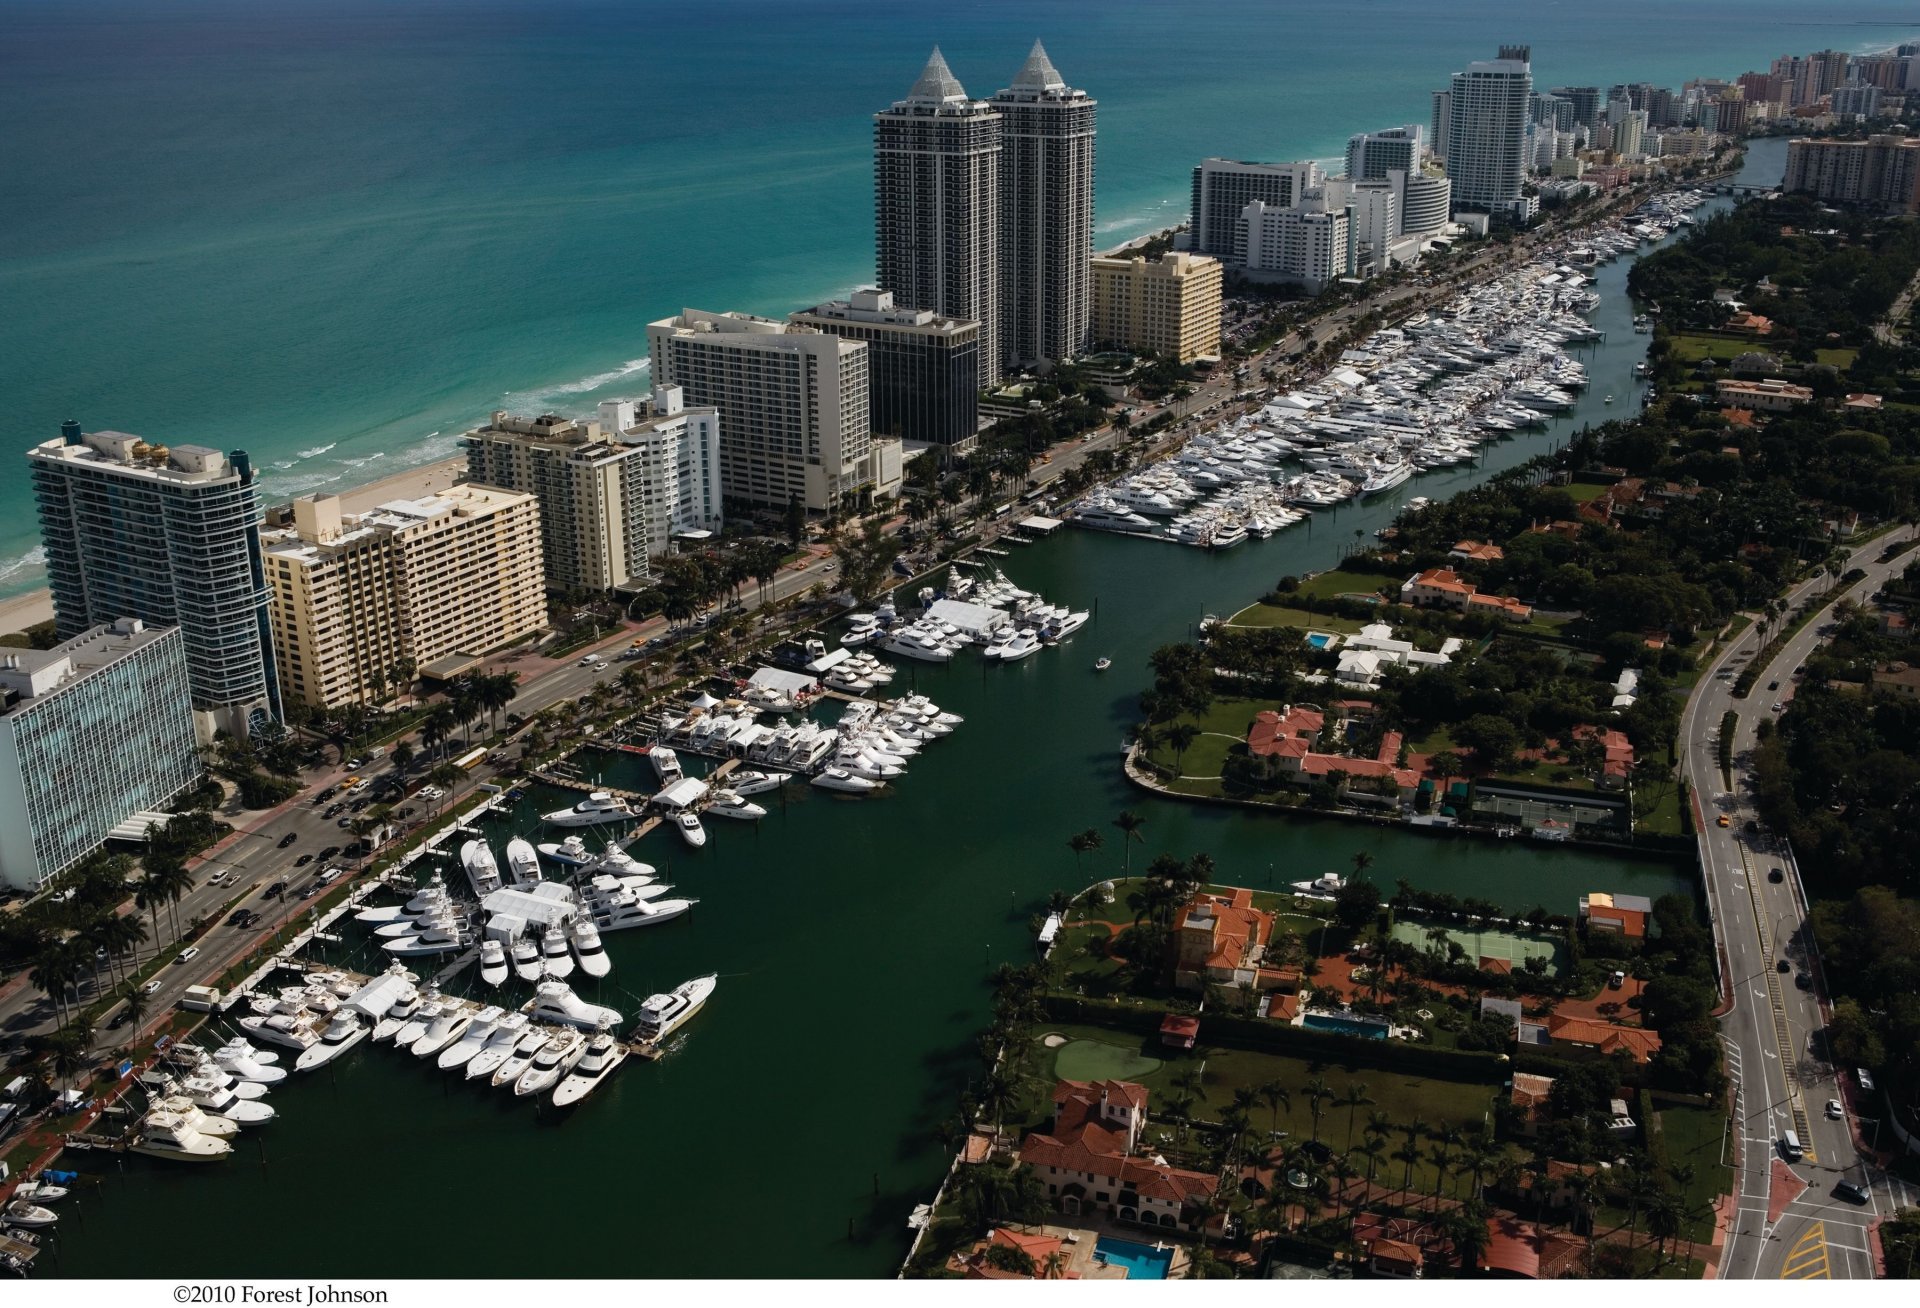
(18, 612)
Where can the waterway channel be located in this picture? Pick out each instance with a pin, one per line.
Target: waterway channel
(789, 1132)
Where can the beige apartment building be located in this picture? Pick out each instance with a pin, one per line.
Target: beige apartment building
(1168, 306)
(429, 583)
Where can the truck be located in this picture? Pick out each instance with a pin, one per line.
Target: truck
(378, 751)
(200, 999)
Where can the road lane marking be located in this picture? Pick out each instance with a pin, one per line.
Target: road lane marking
(1808, 1259)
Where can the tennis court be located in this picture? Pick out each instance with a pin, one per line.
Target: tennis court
(1512, 949)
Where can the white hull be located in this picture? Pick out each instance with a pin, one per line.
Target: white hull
(579, 1085)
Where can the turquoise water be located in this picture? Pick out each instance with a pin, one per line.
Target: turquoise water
(1142, 1261)
(1345, 1026)
(337, 232)
(1319, 639)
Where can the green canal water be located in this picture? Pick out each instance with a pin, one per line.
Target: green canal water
(790, 1131)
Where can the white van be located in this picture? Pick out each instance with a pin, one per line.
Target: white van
(1790, 1146)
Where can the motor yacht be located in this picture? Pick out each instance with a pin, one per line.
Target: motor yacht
(482, 871)
(917, 644)
(749, 781)
(442, 935)
(209, 1096)
(730, 804)
(241, 1060)
(170, 1135)
(571, 852)
(522, 1055)
(662, 1015)
(687, 823)
(616, 907)
(288, 1030)
(423, 1017)
(555, 960)
(1025, 644)
(506, 1037)
(596, 807)
(423, 901)
(472, 1040)
(40, 1190)
(344, 1032)
(666, 765)
(584, 936)
(29, 1216)
(555, 1002)
(553, 1061)
(443, 1030)
(526, 959)
(602, 1055)
(405, 1007)
(493, 961)
(861, 628)
(836, 778)
(205, 1123)
(523, 865)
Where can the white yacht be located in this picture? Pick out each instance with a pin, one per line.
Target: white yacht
(472, 1040)
(482, 871)
(343, 1033)
(1104, 515)
(423, 901)
(844, 781)
(506, 1037)
(916, 644)
(169, 1135)
(209, 1096)
(443, 1030)
(550, 1064)
(662, 1015)
(522, 1055)
(596, 807)
(571, 852)
(493, 961)
(240, 1059)
(584, 936)
(749, 781)
(554, 1001)
(526, 959)
(27, 1216)
(204, 1122)
(523, 864)
(603, 1054)
(666, 765)
(40, 1190)
(555, 960)
(1025, 644)
(616, 907)
(687, 823)
(730, 804)
(288, 1030)
(441, 935)
(406, 1005)
(423, 1017)
(861, 628)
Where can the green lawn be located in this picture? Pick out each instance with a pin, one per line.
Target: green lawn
(1544, 773)
(1691, 347)
(1586, 492)
(1841, 359)
(1337, 581)
(1662, 817)
(1223, 726)
(1268, 615)
(1693, 1137)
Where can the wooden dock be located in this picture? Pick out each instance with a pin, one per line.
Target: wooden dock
(589, 787)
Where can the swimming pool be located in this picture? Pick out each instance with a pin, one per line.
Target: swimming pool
(1319, 639)
(1142, 1261)
(1345, 1026)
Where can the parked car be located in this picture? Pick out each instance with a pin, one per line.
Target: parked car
(313, 888)
(329, 851)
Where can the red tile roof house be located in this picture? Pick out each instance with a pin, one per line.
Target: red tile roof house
(1393, 1246)
(1036, 1245)
(1286, 740)
(1589, 1033)
(1616, 765)
(1087, 1161)
(1442, 588)
(1477, 551)
(1620, 915)
(1178, 1031)
(1221, 938)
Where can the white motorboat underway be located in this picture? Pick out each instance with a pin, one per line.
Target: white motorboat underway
(596, 807)
(550, 1064)
(170, 1135)
(603, 1054)
(571, 852)
(522, 863)
(531, 1043)
(526, 959)
(554, 1001)
(662, 1015)
(687, 823)
(584, 936)
(343, 1033)
(443, 1030)
(730, 804)
(472, 1040)
(506, 1036)
(844, 781)
(666, 765)
(482, 871)
(750, 781)
(555, 960)
(493, 961)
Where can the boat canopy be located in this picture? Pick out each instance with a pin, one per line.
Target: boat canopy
(833, 658)
(976, 620)
(786, 683)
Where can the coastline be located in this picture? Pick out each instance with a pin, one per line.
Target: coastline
(33, 607)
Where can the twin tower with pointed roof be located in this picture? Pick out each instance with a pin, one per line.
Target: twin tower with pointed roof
(983, 209)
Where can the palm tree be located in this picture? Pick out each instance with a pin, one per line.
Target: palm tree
(53, 974)
(1353, 1098)
(1442, 1159)
(1083, 842)
(1317, 1091)
(1362, 860)
(1276, 1097)
(136, 1003)
(402, 756)
(1130, 823)
(1370, 1149)
(1408, 1153)
(126, 933)
(1181, 735)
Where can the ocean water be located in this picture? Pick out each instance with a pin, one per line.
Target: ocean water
(338, 232)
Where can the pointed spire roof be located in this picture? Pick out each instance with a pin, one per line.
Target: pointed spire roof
(937, 81)
(1038, 73)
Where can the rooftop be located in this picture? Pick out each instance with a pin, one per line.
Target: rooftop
(30, 674)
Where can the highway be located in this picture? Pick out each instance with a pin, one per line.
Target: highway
(1772, 1029)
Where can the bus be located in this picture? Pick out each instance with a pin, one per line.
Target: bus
(470, 760)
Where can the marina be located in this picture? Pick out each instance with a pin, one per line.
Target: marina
(898, 910)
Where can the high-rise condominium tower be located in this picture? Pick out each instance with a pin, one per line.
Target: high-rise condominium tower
(936, 199)
(1046, 214)
(1489, 107)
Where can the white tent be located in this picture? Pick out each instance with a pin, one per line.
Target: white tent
(705, 701)
(681, 794)
(974, 620)
(787, 683)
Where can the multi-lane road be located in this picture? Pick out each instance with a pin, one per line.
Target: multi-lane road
(1772, 1030)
